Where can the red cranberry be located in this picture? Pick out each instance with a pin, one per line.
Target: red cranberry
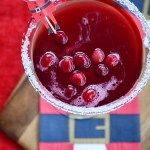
(98, 55)
(61, 37)
(78, 78)
(47, 60)
(89, 95)
(112, 60)
(81, 60)
(70, 91)
(102, 70)
(66, 64)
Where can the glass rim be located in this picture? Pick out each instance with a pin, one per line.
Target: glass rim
(139, 84)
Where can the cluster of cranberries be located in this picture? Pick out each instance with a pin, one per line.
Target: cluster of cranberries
(79, 61)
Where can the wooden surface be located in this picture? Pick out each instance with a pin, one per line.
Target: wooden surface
(145, 117)
(20, 117)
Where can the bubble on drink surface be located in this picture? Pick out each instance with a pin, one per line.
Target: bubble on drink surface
(101, 95)
(85, 21)
(78, 101)
(101, 90)
(102, 70)
(112, 84)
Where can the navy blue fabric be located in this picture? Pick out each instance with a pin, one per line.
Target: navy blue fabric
(54, 128)
(139, 4)
(124, 128)
(87, 128)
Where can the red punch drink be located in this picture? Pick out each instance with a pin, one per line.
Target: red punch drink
(95, 59)
(101, 60)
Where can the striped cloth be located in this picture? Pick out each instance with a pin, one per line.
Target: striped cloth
(119, 130)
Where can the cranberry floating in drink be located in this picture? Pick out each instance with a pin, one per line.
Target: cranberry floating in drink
(60, 37)
(112, 60)
(66, 64)
(70, 91)
(98, 55)
(78, 78)
(94, 59)
(81, 60)
(46, 60)
(89, 95)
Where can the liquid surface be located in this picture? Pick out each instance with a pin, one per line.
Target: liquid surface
(90, 25)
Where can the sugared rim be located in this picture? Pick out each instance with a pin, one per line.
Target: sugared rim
(29, 69)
